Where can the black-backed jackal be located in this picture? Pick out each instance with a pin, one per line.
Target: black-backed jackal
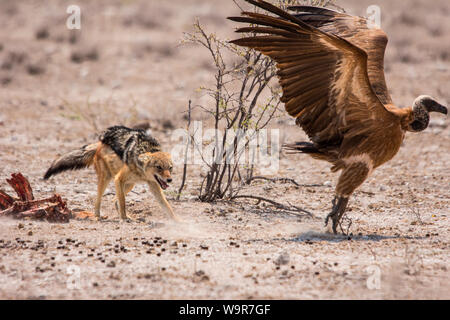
(126, 155)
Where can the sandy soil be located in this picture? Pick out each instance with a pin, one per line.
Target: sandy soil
(133, 70)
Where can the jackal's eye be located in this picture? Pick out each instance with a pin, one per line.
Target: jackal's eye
(159, 167)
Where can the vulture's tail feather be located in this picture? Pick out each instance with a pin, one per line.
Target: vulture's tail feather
(326, 154)
(301, 147)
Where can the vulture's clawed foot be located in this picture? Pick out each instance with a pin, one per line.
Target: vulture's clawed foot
(332, 214)
(339, 206)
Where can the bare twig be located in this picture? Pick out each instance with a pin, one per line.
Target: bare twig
(279, 205)
(185, 153)
(349, 223)
(414, 208)
(282, 180)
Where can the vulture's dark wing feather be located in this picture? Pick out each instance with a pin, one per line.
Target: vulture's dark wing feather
(355, 30)
(323, 76)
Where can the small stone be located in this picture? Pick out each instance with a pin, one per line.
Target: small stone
(42, 33)
(35, 69)
(282, 259)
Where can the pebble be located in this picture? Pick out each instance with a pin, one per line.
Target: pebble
(282, 259)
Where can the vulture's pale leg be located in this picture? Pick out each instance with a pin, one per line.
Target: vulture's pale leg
(353, 175)
(337, 212)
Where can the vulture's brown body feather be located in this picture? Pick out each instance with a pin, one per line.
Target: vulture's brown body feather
(330, 67)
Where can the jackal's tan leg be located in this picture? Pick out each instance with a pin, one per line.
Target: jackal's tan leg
(159, 195)
(104, 178)
(128, 187)
(120, 191)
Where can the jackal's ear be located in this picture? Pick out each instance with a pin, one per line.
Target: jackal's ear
(143, 160)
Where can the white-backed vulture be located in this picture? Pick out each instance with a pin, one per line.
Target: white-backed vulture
(330, 68)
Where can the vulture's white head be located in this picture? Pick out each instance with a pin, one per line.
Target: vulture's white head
(423, 105)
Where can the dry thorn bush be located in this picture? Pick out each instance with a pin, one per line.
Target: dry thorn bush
(236, 107)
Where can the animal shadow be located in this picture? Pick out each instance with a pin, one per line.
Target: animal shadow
(314, 236)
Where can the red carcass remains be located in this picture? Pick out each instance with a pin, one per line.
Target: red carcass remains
(52, 209)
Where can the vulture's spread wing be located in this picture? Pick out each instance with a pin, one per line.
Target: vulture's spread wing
(357, 31)
(323, 76)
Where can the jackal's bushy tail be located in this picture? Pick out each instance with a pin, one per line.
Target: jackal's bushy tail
(74, 160)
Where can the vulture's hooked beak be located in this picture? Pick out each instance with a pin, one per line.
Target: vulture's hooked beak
(436, 107)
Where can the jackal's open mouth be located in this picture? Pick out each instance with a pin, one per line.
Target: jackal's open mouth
(161, 182)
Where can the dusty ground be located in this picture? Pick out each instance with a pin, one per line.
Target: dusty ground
(133, 71)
